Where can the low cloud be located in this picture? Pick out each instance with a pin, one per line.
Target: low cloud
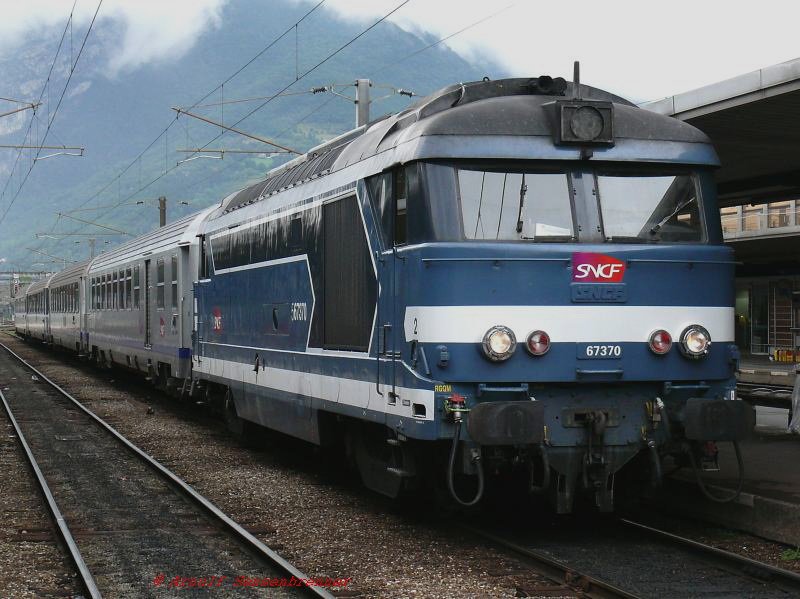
(150, 30)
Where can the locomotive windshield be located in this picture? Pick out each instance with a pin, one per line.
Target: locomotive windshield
(498, 205)
(649, 208)
(629, 207)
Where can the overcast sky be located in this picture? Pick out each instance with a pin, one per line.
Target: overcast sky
(642, 49)
(638, 48)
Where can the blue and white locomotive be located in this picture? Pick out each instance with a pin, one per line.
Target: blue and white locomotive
(522, 276)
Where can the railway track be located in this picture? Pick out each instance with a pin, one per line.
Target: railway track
(131, 526)
(621, 558)
(774, 396)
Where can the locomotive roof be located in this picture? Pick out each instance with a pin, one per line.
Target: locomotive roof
(506, 118)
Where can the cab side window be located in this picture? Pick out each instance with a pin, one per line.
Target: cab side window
(391, 196)
(401, 206)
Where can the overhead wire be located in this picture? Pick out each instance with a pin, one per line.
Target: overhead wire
(315, 110)
(442, 40)
(41, 95)
(268, 99)
(55, 112)
(164, 131)
(263, 104)
(205, 96)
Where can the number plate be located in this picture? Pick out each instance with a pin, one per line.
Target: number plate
(599, 351)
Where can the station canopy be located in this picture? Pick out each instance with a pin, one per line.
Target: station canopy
(753, 121)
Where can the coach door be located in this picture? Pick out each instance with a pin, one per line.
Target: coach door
(148, 308)
(84, 295)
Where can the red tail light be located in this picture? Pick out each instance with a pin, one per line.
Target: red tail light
(538, 343)
(660, 342)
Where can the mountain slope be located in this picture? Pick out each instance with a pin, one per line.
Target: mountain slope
(116, 117)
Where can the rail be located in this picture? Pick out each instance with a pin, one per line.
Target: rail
(618, 557)
(259, 549)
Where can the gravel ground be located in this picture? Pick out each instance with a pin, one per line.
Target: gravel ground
(32, 564)
(315, 516)
(326, 526)
(768, 552)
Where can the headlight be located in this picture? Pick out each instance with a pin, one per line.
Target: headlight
(695, 341)
(499, 343)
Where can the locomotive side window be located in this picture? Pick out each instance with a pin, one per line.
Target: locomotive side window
(401, 207)
(392, 195)
(380, 192)
(205, 258)
(514, 205)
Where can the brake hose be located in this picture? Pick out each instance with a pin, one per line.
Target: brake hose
(451, 472)
(702, 485)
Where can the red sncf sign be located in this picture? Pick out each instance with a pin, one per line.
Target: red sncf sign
(596, 268)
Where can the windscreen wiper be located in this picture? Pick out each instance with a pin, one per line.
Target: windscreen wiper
(655, 228)
(523, 189)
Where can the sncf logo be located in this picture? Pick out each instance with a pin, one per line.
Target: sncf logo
(596, 268)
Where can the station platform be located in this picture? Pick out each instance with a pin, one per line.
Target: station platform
(769, 505)
(763, 371)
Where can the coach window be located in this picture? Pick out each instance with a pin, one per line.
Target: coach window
(114, 290)
(121, 290)
(103, 292)
(128, 289)
(174, 274)
(160, 284)
(136, 287)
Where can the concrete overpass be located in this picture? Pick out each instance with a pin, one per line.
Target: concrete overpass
(754, 122)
